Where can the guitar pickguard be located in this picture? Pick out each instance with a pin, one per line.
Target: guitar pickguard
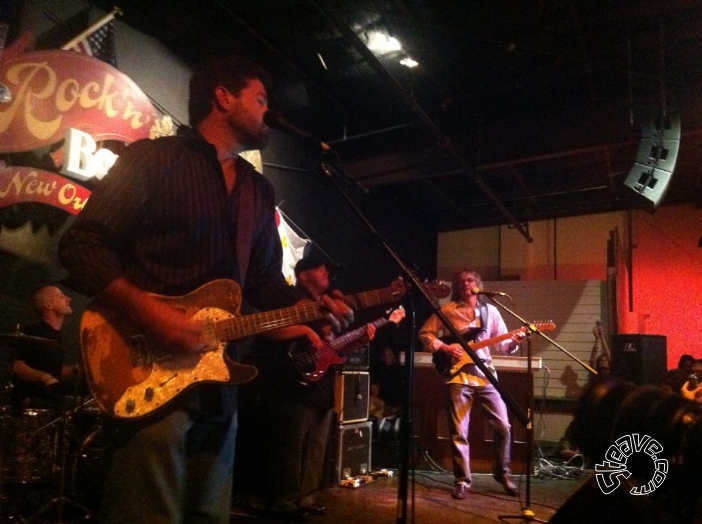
(172, 374)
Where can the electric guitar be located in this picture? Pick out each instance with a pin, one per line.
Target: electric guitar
(310, 365)
(447, 366)
(130, 376)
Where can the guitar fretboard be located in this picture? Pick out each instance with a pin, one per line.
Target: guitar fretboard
(349, 337)
(236, 328)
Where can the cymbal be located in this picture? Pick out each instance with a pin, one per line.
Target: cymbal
(15, 340)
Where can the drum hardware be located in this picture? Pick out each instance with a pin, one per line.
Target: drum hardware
(31, 451)
(35, 444)
(61, 503)
(8, 511)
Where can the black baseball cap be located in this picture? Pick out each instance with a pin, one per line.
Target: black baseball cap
(313, 262)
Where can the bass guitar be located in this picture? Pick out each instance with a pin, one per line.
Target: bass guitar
(447, 366)
(310, 365)
(130, 376)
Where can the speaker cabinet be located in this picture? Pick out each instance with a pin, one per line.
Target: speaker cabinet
(642, 359)
(357, 359)
(351, 396)
(353, 455)
(648, 180)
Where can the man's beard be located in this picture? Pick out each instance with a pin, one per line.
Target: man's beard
(255, 141)
(249, 138)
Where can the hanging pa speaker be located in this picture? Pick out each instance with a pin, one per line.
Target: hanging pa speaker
(649, 179)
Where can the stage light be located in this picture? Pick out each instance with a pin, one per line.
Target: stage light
(381, 43)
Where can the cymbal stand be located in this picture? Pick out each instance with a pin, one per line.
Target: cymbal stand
(61, 501)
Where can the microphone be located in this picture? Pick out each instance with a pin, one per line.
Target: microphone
(478, 291)
(275, 120)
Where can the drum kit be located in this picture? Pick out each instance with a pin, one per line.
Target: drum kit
(62, 448)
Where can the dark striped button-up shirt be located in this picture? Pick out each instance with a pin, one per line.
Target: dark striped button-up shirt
(163, 219)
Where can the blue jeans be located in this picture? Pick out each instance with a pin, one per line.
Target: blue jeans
(461, 400)
(176, 469)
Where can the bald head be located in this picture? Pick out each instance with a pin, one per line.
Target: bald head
(52, 304)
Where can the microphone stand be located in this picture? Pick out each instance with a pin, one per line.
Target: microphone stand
(405, 434)
(527, 515)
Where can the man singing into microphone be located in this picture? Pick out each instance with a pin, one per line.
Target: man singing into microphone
(475, 321)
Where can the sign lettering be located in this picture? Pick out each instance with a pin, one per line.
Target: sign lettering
(26, 184)
(54, 91)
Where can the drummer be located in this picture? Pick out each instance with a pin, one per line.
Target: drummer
(39, 359)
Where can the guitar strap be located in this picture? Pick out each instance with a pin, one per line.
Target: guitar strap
(245, 225)
(482, 307)
(473, 333)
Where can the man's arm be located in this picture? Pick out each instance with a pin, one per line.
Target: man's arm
(29, 374)
(429, 336)
(498, 327)
(92, 248)
(170, 325)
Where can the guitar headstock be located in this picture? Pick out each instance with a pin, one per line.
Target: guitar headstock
(544, 326)
(398, 288)
(437, 289)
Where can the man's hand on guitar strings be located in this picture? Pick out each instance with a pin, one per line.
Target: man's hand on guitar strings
(172, 327)
(340, 314)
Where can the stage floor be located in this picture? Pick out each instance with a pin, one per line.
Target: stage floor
(429, 501)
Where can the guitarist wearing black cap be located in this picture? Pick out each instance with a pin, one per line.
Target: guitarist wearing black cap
(299, 412)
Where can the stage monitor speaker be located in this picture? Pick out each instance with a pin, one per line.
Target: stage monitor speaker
(353, 457)
(650, 177)
(642, 359)
(351, 396)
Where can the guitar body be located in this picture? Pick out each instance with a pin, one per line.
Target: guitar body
(310, 366)
(442, 363)
(131, 377)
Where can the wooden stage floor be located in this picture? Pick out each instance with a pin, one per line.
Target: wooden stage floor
(429, 501)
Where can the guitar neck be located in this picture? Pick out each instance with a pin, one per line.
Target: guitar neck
(236, 328)
(494, 340)
(347, 338)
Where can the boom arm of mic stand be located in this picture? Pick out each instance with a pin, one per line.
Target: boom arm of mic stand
(533, 329)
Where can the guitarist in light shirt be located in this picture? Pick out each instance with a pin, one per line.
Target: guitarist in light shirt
(475, 321)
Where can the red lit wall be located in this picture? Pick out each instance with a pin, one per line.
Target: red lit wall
(667, 279)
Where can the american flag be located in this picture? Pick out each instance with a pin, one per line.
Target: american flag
(100, 44)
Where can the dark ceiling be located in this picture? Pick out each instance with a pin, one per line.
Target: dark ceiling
(517, 111)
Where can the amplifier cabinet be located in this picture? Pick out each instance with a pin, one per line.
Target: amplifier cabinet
(642, 359)
(353, 455)
(358, 359)
(351, 396)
